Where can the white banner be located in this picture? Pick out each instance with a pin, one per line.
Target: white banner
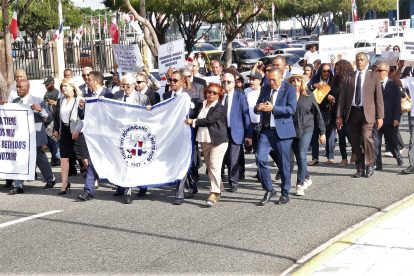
(171, 54)
(329, 47)
(17, 142)
(368, 30)
(128, 57)
(131, 146)
(407, 49)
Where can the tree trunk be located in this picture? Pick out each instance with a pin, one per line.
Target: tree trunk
(7, 45)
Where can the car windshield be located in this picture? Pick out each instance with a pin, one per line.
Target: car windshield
(276, 46)
(249, 54)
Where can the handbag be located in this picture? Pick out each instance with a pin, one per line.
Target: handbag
(406, 104)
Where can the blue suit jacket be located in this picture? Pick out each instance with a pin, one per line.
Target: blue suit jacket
(283, 110)
(105, 93)
(239, 118)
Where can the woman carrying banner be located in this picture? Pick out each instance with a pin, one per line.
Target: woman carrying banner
(210, 121)
(68, 127)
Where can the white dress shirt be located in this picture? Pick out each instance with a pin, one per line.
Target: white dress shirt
(274, 97)
(252, 96)
(202, 133)
(229, 104)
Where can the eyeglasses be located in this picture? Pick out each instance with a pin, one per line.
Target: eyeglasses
(85, 75)
(226, 82)
(326, 71)
(380, 70)
(238, 80)
(139, 82)
(187, 76)
(295, 80)
(173, 80)
(212, 92)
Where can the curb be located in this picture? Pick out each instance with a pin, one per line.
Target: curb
(311, 262)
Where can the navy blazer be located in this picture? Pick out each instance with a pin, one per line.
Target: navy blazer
(105, 93)
(240, 124)
(392, 103)
(283, 110)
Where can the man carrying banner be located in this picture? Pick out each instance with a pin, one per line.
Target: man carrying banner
(41, 113)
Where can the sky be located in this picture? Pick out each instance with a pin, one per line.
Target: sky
(93, 4)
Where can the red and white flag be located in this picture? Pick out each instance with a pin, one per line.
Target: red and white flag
(354, 11)
(114, 32)
(13, 25)
(79, 33)
(58, 32)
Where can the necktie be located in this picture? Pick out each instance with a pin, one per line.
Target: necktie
(358, 90)
(20, 100)
(175, 94)
(382, 86)
(226, 101)
(125, 97)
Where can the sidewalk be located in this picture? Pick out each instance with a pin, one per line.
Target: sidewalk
(380, 245)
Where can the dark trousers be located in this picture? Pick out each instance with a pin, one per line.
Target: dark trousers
(362, 140)
(231, 160)
(390, 134)
(342, 134)
(329, 146)
(91, 177)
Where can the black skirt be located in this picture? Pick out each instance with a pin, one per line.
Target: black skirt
(70, 148)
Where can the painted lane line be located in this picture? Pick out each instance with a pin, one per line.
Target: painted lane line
(29, 218)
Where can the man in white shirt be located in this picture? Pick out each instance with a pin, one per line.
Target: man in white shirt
(311, 55)
(408, 83)
(252, 93)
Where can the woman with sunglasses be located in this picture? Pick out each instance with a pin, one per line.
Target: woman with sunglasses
(210, 121)
(306, 114)
(322, 78)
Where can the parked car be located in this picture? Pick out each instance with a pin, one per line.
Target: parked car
(268, 48)
(300, 52)
(290, 58)
(364, 46)
(235, 44)
(305, 38)
(203, 46)
(245, 58)
(391, 35)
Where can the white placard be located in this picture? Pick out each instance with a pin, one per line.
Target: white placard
(128, 57)
(368, 30)
(407, 49)
(391, 58)
(212, 79)
(384, 44)
(171, 54)
(339, 46)
(17, 142)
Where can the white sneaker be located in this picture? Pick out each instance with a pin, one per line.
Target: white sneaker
(402, 150)
(96, 184)
(300, 191)
(307, 183)
(388, 154)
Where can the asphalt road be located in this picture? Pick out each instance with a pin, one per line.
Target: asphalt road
(152, 236)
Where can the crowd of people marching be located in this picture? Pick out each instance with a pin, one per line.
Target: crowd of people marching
(276, 113)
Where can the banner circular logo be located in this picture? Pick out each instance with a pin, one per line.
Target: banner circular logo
(137, 145)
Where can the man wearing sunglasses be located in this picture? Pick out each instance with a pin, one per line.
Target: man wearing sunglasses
(176, 82)
(392, 111)
(142, 87)
(85, 76)
(238, 126)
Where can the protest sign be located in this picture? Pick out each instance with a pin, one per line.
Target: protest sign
(391, 58)
(17, 142)
(386, 44)
(171, 54)
(407, 49)
(212, 79)
(131, 146)
(329, 47)
(368, 30)
(128, 57)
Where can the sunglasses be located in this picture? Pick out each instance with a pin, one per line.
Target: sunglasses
(326, 71)
(173, 80)
(380, 70)
(226, 82)
(139, 82)
(212, 92)
(85, 75)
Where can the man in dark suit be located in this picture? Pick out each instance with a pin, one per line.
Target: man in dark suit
(96, 85)
(238, 127)
(276, 105)
(190, 180)
(361, 106)
(85, 76)
(41, 113)
(142, 87)
(392, 112)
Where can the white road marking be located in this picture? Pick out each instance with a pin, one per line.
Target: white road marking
(29, 218)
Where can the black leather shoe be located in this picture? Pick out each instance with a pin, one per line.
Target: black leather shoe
(55, 163)
(278, 177)
(50, 184)
(15, 191)
(85, 196)
(400, 162)
(191, 193)
(267, 196)
(409, 170)
(9, 183)
(233, 188)
(369, 170)
(178, 201)
(73, 172)
(378, 168)
(142, 192)
(359, 174)
(117, 194)
(128, 199)
(283, 200)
